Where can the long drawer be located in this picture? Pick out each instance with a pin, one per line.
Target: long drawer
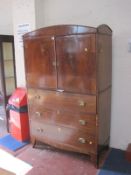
(74, 120)
(61, 100)
(63, 137)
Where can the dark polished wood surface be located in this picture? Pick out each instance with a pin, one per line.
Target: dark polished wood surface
(64, 101)
(67, 119)
(76, 63)
(66, 137)
(104, 71)
(61, 30)
(68, 73)
(41, 52)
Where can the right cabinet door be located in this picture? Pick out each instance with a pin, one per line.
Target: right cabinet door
(76, 63)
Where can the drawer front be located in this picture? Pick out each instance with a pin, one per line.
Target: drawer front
(78, 120)
(64, 101)
(63, 137)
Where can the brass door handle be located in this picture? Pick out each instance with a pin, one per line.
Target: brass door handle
(90, 142)
(82, 122)
(82, 140)
(52, 38)
(54, 63)
(86, 49)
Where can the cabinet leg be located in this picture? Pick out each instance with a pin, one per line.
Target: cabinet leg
(33, 141)
(94, 160)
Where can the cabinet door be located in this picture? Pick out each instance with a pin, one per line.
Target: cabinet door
(40, 62)
(76, 63)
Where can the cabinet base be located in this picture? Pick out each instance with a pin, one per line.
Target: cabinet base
(94, 158)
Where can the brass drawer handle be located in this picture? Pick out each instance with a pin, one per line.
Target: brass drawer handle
(82, 103)
(58, 112)
(38, 114)
(82, 140)
(39, 129)
(59, 129)
(82, 122)
(37, 96)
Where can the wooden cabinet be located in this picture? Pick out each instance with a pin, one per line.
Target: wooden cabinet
(68, 73)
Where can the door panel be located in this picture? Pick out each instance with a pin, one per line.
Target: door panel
(76, 63)
(40, 62)
(9, 70)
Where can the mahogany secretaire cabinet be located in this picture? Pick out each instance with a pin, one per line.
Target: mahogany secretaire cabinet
(68, 75)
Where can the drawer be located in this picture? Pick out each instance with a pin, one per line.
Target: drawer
(76, 120)
(64, 101)
(63, 137)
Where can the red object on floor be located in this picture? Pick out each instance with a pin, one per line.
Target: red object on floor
(18, 98)
(18, 123)
(128, 153)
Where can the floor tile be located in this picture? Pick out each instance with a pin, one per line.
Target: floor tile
(54, 162)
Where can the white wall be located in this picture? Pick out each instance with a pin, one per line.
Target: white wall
(23, 13)
(39, 7)
(115, 13)
(6, 22)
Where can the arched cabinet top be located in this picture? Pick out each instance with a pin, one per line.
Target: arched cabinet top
(59, 30)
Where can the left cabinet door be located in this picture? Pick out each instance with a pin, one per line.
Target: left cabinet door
(40, 62)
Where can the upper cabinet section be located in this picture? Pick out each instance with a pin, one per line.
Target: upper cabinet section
(76, 63)
(64, 58)
(40, 62)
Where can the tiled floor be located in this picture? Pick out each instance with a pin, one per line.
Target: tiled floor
(48, 161)
(54, 162)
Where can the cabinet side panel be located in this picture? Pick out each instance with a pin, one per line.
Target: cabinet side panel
(104, 79)
(104, 61)
(104, 112)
